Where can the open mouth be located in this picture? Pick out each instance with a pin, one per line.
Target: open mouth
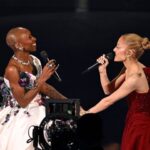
(34, 44)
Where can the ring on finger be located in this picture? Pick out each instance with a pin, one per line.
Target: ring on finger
(50, 65)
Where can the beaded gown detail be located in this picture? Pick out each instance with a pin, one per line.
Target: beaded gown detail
(136, 135)
(15, 122)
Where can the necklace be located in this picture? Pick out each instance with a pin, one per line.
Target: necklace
(20, 61)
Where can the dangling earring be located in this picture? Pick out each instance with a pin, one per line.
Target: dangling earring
(20, 48)
(128, 57)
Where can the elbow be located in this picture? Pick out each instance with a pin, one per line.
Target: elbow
(107, 93)
(22, 104)
(107, 89)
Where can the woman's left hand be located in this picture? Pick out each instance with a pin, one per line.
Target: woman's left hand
(82, 111)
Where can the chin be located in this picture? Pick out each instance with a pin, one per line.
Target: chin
(34, 49)
(117, 60)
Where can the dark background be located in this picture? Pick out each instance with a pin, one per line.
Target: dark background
(75, 33)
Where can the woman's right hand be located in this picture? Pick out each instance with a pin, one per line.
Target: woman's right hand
(48, 70)
(103, 61)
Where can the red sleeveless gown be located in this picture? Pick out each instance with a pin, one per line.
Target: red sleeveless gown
(136, 135)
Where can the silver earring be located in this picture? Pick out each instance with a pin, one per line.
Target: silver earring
(20, 48)
(128, 57)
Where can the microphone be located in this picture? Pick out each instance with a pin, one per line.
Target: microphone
(109, 56)
(44, 56)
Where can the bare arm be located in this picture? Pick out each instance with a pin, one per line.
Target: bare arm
(24, 98)
(107, 85)
(110, 86)
(127, 87)
(52, 92)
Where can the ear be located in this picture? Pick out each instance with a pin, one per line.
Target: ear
(19, 46)
(131, 53)
(16, 45)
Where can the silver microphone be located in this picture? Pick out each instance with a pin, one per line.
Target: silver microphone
(44, 55)
(109, 56)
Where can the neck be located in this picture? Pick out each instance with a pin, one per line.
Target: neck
(131, 65)
(22, 58)
(22, 55)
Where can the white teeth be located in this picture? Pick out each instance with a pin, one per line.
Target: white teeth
(34, 44)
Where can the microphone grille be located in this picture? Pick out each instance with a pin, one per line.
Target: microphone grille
(44, 54)
(110, 55)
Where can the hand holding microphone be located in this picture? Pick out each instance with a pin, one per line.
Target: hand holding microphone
(51, 65)
(47, 71)
(104, 59)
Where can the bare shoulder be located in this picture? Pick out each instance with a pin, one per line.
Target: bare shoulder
(136, 75)
(11, 71)
(134, 78)
(142, 65)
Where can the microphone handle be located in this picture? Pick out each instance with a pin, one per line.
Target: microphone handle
(56, 75)
(109, 56)
(91, 68)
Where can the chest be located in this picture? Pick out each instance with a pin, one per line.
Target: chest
(30, 68)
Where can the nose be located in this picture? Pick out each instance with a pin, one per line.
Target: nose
(34, 39)
(114, 49)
